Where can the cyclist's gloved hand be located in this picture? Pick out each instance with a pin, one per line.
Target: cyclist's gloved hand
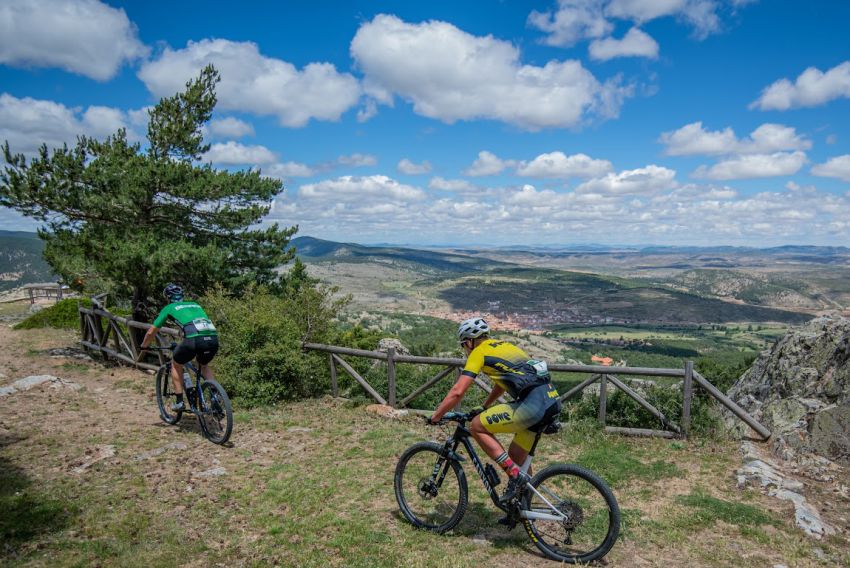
(476, 410)
(430, 422)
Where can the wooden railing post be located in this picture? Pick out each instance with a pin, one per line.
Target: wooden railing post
(391, 375)
(603, 398)
(334, 385)
(687, 394)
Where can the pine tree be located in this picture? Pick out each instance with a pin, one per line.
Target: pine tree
(126, 219)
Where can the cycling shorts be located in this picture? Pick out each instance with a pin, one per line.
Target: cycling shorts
(522, 417)
(204, 347)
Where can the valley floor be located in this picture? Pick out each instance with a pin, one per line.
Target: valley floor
(91, 476)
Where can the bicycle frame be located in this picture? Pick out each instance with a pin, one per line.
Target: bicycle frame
(461, 437)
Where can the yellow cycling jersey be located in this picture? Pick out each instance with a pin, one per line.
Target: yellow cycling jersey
(506, 364)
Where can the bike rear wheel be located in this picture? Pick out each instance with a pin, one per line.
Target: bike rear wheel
(215, 412)
(593, 516)
(430, 489)
(165, 396)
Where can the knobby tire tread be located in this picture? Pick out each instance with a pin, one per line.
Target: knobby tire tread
(436, 449)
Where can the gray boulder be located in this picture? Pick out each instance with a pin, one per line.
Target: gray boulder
(800, 389)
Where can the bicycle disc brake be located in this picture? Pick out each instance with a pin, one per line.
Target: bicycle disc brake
(427, 488)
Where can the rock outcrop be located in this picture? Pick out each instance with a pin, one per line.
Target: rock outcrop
(800, 389)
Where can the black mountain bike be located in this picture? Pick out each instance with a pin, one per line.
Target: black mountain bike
(569, 513)
(205, 398)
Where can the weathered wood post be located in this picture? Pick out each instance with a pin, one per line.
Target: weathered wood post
(391, 375)
(688, 394)
(603, 398)
(334, 386)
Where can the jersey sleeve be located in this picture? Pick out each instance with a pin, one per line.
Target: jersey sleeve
(474, 363)
(163, 315)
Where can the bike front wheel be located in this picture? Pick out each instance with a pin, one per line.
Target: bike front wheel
(590, 520)
(165, 396)
(215, 412)
(430, 488)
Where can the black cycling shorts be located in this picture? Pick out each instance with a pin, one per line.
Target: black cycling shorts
(204, 347)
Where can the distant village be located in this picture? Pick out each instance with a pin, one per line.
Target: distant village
(535, 322)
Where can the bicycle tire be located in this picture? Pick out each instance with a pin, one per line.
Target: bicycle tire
(165, 394)
(415, 488)
(587, 498)
(219, 408)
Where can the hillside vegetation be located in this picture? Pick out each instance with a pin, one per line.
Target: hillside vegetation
(21, 260)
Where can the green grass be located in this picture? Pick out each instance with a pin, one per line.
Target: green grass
(324, 497)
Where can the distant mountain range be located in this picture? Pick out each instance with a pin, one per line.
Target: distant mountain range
(649, 285)
(21, 260)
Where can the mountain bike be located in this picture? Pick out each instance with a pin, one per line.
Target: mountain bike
(206, 399)
(568, 511)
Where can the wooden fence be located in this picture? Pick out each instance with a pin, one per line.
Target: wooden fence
(111, 336)
(606, 376)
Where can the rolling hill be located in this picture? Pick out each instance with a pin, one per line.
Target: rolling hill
(21, 261)
(400, 279)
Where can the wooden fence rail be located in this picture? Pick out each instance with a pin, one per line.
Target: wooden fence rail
(98, 326)
(605, 375)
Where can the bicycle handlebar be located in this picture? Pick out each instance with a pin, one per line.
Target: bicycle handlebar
(460, 417)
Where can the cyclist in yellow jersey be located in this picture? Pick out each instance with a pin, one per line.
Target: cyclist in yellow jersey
(536, 401)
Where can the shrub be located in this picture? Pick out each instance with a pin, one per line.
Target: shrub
(261, 360)
(63, 315)
(623, 410)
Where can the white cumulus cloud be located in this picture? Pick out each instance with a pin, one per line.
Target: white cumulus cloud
(559, 165)
(635, 43)
(837, 167)
(233, 153)
(573, 21)
(230, 127)
(451, 75)
(361, 189)
(692, 139)
(28, 123)
(576, 20)
(286, 170)
(405, 166)
(86, 37)
(754, 166)
(487, 164)
(254, 83)
(649, 179)
(812, 88)
(456, 185)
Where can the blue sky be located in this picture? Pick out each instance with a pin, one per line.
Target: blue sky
(677, 122)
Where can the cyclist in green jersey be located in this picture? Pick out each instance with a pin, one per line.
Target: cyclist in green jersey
(200, 337)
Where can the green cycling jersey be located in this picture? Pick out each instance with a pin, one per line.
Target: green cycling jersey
(190, 316)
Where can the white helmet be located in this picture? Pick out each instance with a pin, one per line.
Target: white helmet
(472, 328)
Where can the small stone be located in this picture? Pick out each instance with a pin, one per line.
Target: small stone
(153, 453)
(299, 429)
(214, 472)
(386, 411)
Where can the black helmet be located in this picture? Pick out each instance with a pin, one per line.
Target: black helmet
(174, 292)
